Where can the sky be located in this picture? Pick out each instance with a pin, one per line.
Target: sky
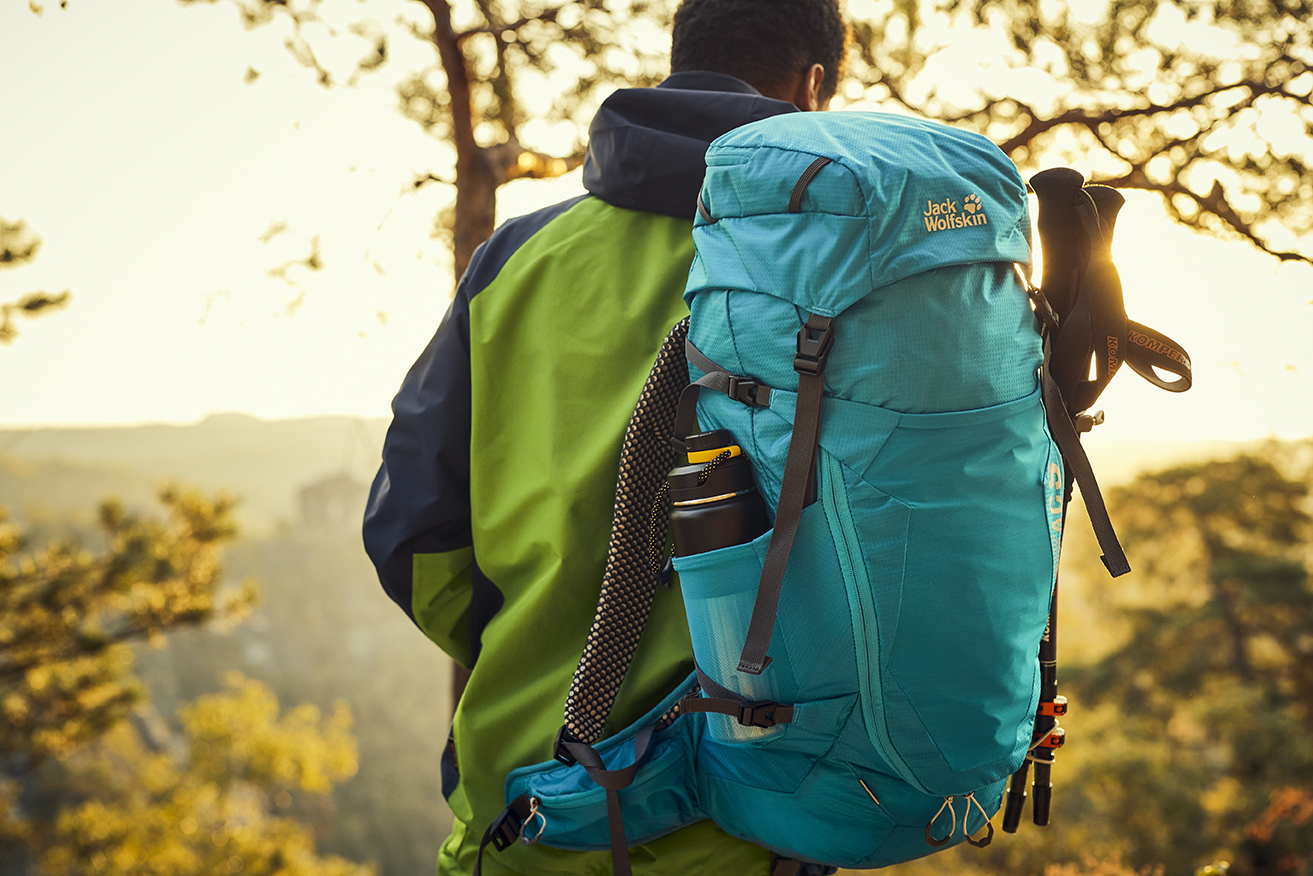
(180, 169)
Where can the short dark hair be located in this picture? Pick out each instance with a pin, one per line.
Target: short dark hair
(766, 43)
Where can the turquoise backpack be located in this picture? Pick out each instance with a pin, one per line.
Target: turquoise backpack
(871, 670)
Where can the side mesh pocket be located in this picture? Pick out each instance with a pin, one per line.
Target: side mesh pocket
(720, 588)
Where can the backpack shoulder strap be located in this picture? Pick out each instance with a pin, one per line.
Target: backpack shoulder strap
(629, 583)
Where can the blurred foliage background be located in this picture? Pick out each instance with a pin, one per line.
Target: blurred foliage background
(195, 684)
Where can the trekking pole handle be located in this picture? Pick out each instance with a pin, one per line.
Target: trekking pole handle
(1016, 798)
(1043, 792)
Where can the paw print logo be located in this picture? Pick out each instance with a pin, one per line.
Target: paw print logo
(971, 203)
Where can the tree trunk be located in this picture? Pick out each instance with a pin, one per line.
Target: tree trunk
(477, 178)
(476, 173)
(476, 205)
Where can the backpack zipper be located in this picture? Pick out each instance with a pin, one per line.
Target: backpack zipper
(860, 602)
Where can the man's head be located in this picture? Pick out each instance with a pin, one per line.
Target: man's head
(787, 49)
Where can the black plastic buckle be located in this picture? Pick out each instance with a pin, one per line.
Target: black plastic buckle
(760, 713)
(559, 751)
(667, 573)
(506, 829)
(813, 349)
(743, 390)
(1042, 307)
(1086, 422)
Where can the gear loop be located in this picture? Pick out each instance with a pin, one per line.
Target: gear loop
(534, 812)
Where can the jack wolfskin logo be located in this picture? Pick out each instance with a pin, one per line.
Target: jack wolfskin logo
(942, 215)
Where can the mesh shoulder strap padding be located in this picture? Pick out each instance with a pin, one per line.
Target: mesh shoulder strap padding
(629, 583)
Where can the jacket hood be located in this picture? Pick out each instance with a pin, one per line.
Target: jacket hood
(647, 146)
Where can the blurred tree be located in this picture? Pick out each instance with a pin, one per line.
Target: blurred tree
(1091, 866)
(499, 76)
(1205, 748)
(321, 633)
(67, 614)
(212, 812)
(1207, 104)
(18, 246)
(82, 791)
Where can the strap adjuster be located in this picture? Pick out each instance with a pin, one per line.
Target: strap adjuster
(813, 348)
(507, 828)
(559, 751)
(1043, 307)
(746, 391)
(761, 713)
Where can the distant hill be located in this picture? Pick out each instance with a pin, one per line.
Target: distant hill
(263, 462)
(267, 462)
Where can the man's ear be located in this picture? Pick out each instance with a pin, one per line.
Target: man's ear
(807, 94)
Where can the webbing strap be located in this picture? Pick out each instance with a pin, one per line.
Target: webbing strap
(1078, 465)
(699, 359)
(814, 341)
(711, 686)
(745, 390)
(723, 701)
(749, 713)
(613, 781)
(504, 831)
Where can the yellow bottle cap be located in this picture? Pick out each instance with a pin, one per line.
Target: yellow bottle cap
(696, 456)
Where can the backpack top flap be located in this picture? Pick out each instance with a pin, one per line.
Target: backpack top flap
(899, 196)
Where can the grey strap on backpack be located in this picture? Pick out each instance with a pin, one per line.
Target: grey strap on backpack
(814, 341)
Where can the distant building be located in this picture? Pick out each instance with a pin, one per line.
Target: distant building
(333, 502)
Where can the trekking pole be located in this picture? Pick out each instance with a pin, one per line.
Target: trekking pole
(1047, 737)
(1016, 797)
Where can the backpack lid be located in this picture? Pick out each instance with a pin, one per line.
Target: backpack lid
(899, 196)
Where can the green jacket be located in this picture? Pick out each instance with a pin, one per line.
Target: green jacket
(490, 516)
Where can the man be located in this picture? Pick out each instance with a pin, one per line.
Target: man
(490, 516)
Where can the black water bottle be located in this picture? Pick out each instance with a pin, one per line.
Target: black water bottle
(714, 506)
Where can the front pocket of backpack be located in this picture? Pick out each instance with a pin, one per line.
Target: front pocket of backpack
(869, 530)
(952, 670)
(662, 797)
